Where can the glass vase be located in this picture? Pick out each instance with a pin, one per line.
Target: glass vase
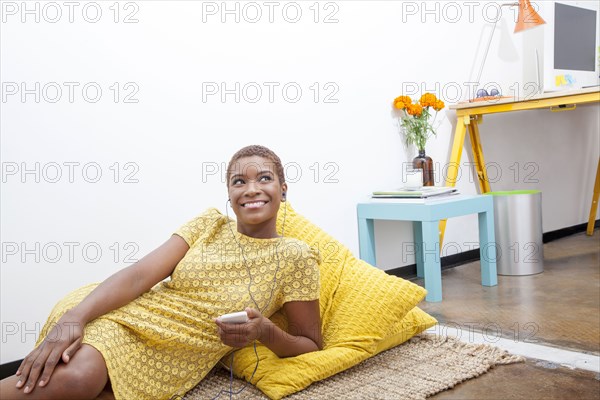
(424, 162)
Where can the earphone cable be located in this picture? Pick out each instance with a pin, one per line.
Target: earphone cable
(230, 391)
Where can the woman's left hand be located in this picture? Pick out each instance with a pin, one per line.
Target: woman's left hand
(241, 335)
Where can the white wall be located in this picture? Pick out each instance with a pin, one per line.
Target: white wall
(168, 143)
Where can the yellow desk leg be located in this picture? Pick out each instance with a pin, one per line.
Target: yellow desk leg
(454, 163)
(592, 220)
(484, 184)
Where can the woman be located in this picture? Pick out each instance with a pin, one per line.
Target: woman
(145, 338)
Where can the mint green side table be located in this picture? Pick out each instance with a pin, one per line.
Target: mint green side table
(426, 218)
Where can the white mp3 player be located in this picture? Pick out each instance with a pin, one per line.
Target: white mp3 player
(235, 318)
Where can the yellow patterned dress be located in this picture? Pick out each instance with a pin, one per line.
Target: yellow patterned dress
(162, 344)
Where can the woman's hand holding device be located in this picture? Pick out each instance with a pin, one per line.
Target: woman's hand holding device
(241, 328)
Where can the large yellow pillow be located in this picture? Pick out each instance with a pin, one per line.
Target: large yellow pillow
(363, 311)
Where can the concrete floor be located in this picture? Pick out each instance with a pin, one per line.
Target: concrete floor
(559, 308)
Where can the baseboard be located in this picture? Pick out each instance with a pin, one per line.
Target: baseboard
(454, 260)
(409, 271)
(561, 233)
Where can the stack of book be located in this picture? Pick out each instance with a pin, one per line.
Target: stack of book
(409, 195)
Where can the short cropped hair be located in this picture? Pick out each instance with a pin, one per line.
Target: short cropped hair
(260, 151)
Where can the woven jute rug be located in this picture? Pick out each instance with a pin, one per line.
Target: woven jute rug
(423, 366)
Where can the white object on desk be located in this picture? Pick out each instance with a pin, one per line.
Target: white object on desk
(415, 200)
(413, 179)
(425, 191)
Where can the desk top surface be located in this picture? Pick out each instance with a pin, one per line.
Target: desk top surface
(509, 100)
(431, 201)
(452, 206)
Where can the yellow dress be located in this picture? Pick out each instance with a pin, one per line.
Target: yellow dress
(162, 344)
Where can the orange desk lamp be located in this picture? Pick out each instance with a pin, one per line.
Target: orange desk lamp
(526, 19)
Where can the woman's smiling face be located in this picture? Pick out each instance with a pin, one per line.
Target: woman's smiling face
(255, 193)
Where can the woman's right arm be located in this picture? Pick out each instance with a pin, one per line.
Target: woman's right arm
(131, 282)
(118, 290)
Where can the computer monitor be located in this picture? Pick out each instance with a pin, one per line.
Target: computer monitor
(571, 40)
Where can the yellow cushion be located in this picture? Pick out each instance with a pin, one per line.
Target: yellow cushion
(363, 311)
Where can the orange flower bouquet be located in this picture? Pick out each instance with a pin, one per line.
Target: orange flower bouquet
(415, 118)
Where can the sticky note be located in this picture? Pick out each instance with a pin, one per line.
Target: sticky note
(570, 79)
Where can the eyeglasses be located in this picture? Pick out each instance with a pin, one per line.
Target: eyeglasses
(484, 93)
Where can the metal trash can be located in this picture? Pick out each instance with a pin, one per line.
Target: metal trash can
(518, 229)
